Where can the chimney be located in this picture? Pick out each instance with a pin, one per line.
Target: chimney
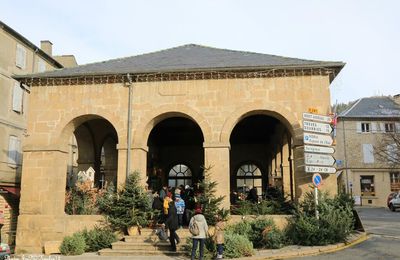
(47, 47)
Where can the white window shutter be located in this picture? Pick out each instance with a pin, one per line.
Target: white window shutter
(20, 57)
(374, 127)
(397, 125)
(368, 152)
(17, 98)
(13, 151)
(382, 127)
(358, 127)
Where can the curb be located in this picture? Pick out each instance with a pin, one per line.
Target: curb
(300, 251)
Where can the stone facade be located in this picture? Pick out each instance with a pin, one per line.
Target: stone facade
(353, 164)
(212, 110)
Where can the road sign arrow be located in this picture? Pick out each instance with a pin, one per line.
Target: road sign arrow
(320, 169)
(310, 138)
(319, 159)
(315, 127)
(315, 117)
(318, 149)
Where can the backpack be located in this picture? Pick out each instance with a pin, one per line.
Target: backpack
(194, 228)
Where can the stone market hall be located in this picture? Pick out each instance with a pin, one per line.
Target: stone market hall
(167, 114)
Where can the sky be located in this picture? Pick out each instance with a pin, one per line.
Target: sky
(365, 34)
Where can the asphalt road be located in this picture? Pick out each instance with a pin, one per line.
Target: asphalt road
(383, 244)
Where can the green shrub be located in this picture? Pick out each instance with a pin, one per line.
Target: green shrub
(335, 221)
(257, 228)
(237, 246)
(73, 245)
(242, 228)
(274, 239)
(98, 238)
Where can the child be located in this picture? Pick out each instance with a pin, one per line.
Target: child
(180, 208)
(219, 236)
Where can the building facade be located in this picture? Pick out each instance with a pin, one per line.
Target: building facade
(167, 115)
(17, 56)
(365, 135)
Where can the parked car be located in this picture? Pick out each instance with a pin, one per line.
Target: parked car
(390, 197)
(4, 251)
(394, 203)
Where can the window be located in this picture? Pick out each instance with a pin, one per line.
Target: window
(392, 153)
(389, 127)
(14, 152)
(367, 185)
(18, 94)
(247, 176)
(365, 127)
(368, 152)
(180, 174)
(395, 181)
(41, 65)
(20, 60)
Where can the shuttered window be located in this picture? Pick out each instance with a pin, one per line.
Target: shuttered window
(18, 94)
(20, 60)
(368, 152)
(14, 152)
(41, 65)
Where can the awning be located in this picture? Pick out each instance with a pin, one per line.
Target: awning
(12, 190)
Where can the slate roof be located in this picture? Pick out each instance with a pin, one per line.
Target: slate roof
(187, 58)
(373, 107)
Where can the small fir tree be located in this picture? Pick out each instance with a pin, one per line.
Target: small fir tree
(128, 207)
(207, 199)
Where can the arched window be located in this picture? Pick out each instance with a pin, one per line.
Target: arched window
(247, 176)
(180, 174)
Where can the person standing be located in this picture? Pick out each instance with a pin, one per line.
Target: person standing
(172, 224)
(180, 208)
(201, 237)
(219, 236)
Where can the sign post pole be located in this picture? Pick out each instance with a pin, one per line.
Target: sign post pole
(316, 202)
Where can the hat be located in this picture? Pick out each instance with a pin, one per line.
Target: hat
(198, 211)
(187, 187)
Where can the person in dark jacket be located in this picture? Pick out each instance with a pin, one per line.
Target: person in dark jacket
(172, 224)
(253, 195)
(158, 205)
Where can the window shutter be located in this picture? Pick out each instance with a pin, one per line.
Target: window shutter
(358, 127)
(368, 152)
(382, 127)
(374, 127)
(17, 98)
(397, 126)
(13, 151)
(41, 65)
(20, 57)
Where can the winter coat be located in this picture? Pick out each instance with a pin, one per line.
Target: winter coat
(157, 204)
(172, 220)
(202, 224)
(180, 206)
(219, 232)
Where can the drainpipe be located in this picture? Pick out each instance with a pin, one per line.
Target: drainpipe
(345, 158)
(129, 135)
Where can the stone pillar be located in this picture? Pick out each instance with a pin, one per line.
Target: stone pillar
(139, 162)
(121, 170)
(217, 156)
(286, 169)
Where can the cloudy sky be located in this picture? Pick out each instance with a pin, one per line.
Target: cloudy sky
(363, 33)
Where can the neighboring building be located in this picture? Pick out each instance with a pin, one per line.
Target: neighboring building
(360, 132)
(167, 114)
(17, 56)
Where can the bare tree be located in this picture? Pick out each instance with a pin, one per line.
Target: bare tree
(387, 149)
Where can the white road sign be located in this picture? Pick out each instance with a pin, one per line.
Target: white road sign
(310, 138)
(319, 159)
(320, 169)
(315, 127)
(315, 117)
(318, 149)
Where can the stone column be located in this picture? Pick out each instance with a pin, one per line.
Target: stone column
(286, 169)
(217, 156)
(121, 171)
(139, 162)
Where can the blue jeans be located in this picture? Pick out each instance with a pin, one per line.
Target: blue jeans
(194, 248)
(220, 249)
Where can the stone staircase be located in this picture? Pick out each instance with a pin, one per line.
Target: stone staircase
(146, 244)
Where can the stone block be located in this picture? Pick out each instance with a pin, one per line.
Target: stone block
(52, 247)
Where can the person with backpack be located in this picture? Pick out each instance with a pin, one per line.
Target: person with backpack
(180, 208)
(198, 228)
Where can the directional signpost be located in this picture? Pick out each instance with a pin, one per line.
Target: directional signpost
(318, 152)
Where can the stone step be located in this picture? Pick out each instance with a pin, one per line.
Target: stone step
(113, 252)
(159, 246)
